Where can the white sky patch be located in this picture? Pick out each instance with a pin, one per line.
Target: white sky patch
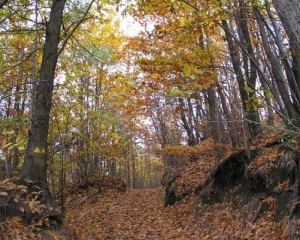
(129, 26)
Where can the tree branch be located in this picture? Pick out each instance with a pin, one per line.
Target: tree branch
(191, 5)
(75, 27)
(3, 3)
(18, 63)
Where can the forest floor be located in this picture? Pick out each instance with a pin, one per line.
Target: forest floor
(135, 214)
(215, 197)
(140, 214)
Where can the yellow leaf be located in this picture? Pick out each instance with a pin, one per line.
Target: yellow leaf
(21, 148)
(30, 204)
(20, 187)
(187, 70)
(182, 22)
(211, 25)
(18, 138)
(4, 141)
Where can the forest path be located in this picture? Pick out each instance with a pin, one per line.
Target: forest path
(135, 214)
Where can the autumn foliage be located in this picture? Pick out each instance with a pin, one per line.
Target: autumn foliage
(182, 125)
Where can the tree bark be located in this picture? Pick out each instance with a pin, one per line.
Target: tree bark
(288, 11)
(213, 114)
(34, 168)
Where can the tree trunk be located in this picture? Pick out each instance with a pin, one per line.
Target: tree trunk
(229, 119)
(34, 168)
(191, 138)
(288, 11)
(237, 67)
(252, 113)
(193, 120)
(213, 114)
(277, 73)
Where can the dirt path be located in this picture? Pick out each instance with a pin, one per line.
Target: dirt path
(136, 214)
(140, 215)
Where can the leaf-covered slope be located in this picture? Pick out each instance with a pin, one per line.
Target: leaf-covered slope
(140, 214)
(136, 214)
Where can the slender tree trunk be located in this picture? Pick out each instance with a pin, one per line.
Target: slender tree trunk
(213, 114)
(128, 173)
(231, 125)
(252, 113)
(193, 120)
(237, 67)
(191, 138)
(278, 74)
(134, 178)
(34, 168)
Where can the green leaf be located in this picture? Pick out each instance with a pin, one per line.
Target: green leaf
(18, 138)
(174, 92)
(11, 132)
(21, 148)
(187, 70)
(249, 89)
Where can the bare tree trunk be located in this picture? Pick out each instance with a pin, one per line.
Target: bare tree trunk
(34, 168)
(213, 114)
(252, 112)
(288, 11)
(134, 178)
(231, 125)
(128, 173)
(277, 73)
(237, 66)
(191, 138)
